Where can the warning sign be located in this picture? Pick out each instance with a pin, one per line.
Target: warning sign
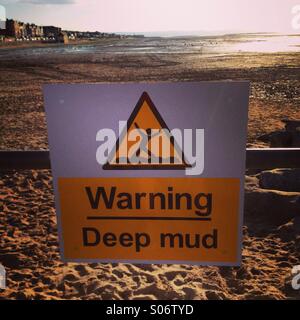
(149, 173)
(150, 218)
(157, 148)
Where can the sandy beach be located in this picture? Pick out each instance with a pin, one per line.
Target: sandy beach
(28, 229)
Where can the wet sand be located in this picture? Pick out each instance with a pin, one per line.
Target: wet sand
(29, 243)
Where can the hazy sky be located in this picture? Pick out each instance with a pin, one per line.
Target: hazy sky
(157, 15)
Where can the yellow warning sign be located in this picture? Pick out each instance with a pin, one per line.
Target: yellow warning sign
(149, 173)
(147, 142)
(174, 219)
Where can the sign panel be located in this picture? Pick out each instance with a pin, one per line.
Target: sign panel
(149, 173)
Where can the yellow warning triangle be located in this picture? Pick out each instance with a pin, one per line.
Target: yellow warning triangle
(147, 143)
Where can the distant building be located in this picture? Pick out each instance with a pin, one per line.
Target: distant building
(63, 37)
(16, 30)
(30, 30)
(33, 31)
(51, 31)
(22, 30)
(12, 28)
(39, 31)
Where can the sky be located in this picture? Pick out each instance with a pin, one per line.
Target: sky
(226, 16)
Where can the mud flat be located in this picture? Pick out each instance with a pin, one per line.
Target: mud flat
(29, 242)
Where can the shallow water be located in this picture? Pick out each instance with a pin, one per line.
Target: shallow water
(197, 45)
(270, 45)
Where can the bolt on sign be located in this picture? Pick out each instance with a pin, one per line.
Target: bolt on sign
(149, 173)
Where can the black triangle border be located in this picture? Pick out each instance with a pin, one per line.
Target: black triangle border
(145, 97)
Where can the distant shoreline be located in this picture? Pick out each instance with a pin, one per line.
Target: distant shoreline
(40, 44)
(97, 48)
(225, 38)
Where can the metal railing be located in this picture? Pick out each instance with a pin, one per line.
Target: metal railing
(268, 158)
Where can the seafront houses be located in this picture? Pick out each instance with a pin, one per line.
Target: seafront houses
(20, 31)
(51, 32)
(13, 29)
(34, 31)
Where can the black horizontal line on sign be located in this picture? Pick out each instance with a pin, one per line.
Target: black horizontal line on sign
(146, 218)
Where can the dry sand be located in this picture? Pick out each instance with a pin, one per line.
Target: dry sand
(28, 231)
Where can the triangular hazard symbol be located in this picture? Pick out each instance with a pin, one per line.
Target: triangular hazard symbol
(161, 150)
